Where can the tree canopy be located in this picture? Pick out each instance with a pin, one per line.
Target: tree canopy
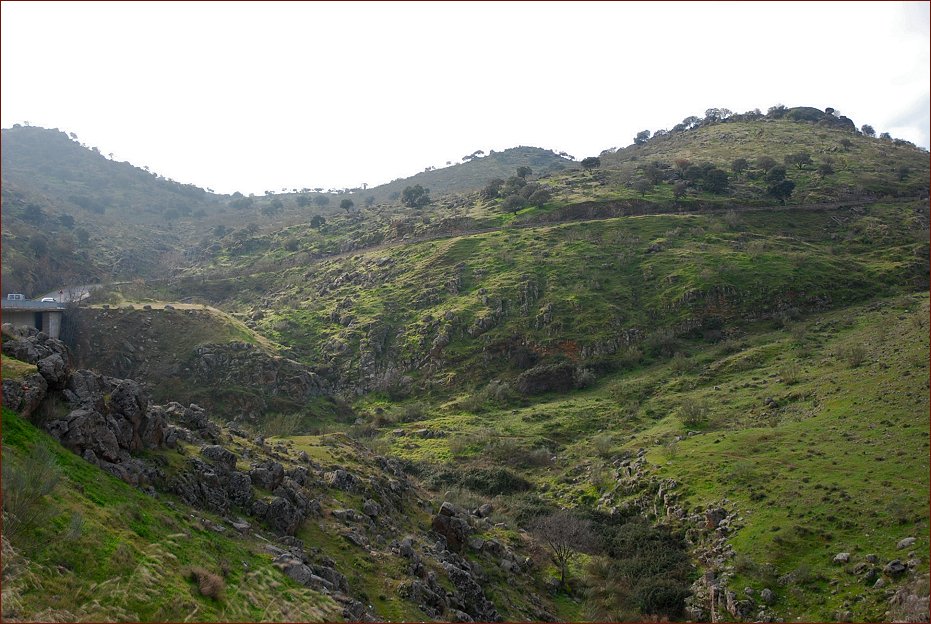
(415, 196)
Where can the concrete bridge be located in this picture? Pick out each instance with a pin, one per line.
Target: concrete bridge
(43, 315)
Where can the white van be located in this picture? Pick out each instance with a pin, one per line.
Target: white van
(15, 297)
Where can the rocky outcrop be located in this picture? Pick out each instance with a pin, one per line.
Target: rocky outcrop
(452, 526)
(24, 395)
(241, 363)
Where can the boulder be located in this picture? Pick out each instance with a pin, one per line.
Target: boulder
(841, 558)
(455, 529)
(267, 475)
(768, 596)
(86, 429)
(24, 395)
(371, 509)
(895, 568)
(239, 489)
(54, 370)
(283, 517)
(341, 480)
(908, 542)
(219, 455)
(406, 548)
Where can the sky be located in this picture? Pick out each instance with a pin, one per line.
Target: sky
(249, 97)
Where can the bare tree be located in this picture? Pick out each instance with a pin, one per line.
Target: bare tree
(565, 535)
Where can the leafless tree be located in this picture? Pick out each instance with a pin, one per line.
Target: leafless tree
(565, 536)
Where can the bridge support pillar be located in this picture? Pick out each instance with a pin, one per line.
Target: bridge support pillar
(51, 324)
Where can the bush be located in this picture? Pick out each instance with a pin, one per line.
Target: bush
(550, 377)
(26, 483)
(854, 355)
(647, 572)
(603, 444)
(494, 393)
(693, 412)
(488, 481)
(208, 583)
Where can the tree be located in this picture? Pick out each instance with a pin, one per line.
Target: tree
(775, 174)
(679, 189)
(766, 163)
(303, 201)
(781, 190)
(715, 181)
(524, 171)
(347, 205)
(565, 535)
(240, 203)
(885, 135)
(739, 165)
(799, 159)
(514, 203)
(540, 197)
(83, 236)
(66, 220)
(592, 162)
(321, 200)
(825, 169)
(492, 189)
(846, 144)
(642, 186)
(690, 122)
(415, 196)
(369, 201)
(654, 172)
(682, 164)
(513, 186)
(642, 137)
(317, 222)
(867, 129)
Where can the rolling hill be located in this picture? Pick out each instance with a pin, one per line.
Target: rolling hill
(709, 348)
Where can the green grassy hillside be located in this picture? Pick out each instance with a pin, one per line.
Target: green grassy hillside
(813, 461)
(474, 307)
(723, 369)
(97, 549)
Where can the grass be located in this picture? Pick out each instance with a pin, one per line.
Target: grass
(831, 467)
(11, 368)
(125, 557)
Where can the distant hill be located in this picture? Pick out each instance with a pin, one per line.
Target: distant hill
(475, 173)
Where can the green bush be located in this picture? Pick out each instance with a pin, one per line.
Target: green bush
(26, 483)
(693, 412)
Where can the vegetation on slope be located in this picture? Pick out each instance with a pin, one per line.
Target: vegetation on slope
(98, 549)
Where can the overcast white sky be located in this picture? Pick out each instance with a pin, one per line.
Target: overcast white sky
(255, 96)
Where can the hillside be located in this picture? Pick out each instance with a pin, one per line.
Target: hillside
(706, 354)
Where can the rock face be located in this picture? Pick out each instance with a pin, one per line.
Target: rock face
(240, 363)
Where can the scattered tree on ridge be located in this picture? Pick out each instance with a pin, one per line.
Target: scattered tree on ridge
(591, 162)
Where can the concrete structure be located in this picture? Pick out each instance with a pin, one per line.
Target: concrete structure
(44, 316)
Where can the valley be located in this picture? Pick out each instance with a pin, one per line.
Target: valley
(701, 362)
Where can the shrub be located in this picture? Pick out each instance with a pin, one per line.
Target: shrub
(488, 481)
(854, 355)
(26, 483)
(693, 412)
(603, 444)
(790, 373)
(554, 376)
(208, 583)
(682, 365)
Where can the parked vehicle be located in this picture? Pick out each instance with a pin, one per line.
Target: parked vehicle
(15, 297)
(48, 300)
